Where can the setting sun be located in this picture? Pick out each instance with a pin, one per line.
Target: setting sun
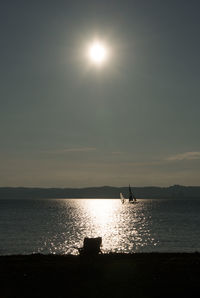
(98, 53)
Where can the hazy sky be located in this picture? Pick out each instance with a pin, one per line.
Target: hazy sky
(136, 120)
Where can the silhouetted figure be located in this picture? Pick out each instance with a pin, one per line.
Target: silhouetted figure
(91, 246)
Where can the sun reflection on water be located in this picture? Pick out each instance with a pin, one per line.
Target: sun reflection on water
(123, 227)
(101, 210)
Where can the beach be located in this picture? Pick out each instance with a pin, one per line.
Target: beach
(106, 275)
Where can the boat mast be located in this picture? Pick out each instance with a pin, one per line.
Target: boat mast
(131, 195)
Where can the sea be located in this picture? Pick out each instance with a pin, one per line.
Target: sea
(59, 226)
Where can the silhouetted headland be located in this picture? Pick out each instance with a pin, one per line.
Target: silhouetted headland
(172, 192)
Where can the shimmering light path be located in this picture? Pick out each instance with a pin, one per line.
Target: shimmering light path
(60, 225)
(122, 227)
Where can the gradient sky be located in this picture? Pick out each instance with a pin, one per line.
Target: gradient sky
(136, 120)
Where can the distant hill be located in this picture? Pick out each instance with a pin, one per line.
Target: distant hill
(171, 192)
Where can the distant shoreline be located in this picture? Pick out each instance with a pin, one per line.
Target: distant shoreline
(171, 192)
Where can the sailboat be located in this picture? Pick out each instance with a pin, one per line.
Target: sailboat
(132, 199)
(122, 198)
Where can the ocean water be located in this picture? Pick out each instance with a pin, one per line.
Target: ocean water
(59, 226)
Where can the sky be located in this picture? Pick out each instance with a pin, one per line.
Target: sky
(67, 123)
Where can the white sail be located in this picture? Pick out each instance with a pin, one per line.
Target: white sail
(122, 198)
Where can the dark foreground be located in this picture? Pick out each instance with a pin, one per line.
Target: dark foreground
(137, 275)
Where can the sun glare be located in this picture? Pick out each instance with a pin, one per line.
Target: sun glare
(101, 210)
(97, 53)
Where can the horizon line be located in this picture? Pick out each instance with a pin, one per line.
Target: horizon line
(110, 186)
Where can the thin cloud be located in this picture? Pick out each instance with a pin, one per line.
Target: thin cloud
(185, 156)
(81, 149)
(72, 150)
(117, 152)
